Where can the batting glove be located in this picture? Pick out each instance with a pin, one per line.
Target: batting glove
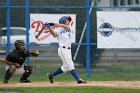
(46, 24)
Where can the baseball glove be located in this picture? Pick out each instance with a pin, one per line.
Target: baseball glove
(34, 53)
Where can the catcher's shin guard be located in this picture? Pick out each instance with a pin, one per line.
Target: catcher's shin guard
(9, 73)
(7, 76)
(28, 72)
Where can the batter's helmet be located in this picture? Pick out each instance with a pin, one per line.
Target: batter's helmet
(18, 43)
(62, 20)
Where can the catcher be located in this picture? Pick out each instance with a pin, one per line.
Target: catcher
(15, 60)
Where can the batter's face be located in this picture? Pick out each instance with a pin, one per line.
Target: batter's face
(67, 22)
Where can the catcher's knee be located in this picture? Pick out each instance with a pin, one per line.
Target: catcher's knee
(28, 69)
(12, 68)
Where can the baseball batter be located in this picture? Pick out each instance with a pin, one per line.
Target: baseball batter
(15, 60)
(63, 34)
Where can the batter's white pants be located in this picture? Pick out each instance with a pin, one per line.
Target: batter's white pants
(65, 55)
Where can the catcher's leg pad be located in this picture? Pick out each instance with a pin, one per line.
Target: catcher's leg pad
(28, 69)
(9, 72)
(28, 72)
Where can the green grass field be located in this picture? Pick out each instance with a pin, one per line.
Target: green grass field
(69, 90)
(116, 71)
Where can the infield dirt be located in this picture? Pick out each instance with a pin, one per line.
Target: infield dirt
(115, 84)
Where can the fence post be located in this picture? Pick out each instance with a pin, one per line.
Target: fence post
(88, 38)
(27, 29)
(8, 25)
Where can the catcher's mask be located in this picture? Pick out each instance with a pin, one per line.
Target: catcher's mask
(19, 44)
(62, 20)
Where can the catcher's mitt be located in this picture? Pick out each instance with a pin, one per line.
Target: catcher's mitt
(34, 53)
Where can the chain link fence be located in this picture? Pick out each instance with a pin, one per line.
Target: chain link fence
(48, 53)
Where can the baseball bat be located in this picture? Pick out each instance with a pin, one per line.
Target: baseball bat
(40, 32)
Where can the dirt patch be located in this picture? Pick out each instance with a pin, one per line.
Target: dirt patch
(115, 84)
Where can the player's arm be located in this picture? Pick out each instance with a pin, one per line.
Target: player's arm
(58, 24)
(49, 26)
(31, 53)
(53, 32)
(6, 61)
(62, 25)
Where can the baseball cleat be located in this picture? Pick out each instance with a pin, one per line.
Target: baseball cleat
(50, 77)
(25, 81)
(80, 81)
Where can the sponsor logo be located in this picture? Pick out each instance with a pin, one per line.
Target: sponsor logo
(106, 29)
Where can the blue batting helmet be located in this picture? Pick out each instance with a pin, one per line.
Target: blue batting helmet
(62, 20)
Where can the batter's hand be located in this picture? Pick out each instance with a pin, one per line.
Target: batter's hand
(50, 24)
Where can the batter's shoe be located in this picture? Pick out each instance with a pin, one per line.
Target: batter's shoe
(80, 81)
(25, 81)
(50, 77)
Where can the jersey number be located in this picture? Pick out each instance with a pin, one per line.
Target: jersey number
(69, 36)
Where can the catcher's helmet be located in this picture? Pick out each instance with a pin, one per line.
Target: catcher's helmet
(19, 43)
(62, 20)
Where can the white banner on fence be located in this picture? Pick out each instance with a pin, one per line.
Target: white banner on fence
(37, 23)
(118, 29)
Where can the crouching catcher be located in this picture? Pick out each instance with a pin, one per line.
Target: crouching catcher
(15, 60)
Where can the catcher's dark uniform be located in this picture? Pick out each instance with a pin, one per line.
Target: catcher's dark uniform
(16, 58)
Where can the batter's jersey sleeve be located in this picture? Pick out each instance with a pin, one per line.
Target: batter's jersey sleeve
(57, 30)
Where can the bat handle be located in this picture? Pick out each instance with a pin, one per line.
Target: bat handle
(36, 36)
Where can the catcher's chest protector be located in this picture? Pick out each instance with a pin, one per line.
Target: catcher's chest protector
(17, 57)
